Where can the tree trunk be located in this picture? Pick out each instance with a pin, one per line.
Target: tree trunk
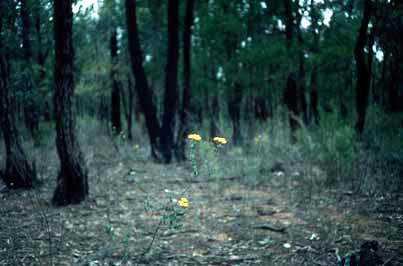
(30, 104)
(186, 96)
(130, 107)
(72, 185)
(260, 108)
(115, 93)
(41, 56)
(214, 117)
(18, 172)
(313, 94)
(234, 109)
(142, 88)
(301, 72)
(363, 69)
(171, 80)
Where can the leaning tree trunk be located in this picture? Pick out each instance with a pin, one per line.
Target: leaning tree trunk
(363, 69)
(18, 173)
(142, 88)
(72, 185)
(186, 96)
(115, 93)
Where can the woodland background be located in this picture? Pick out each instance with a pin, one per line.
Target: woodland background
(306, 92)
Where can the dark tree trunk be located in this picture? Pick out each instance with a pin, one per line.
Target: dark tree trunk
(303, 106)
(142, 88)
(18, 172)
(260, 108)
(72, 185)
(214, 117)
(171, 80)
(234, 109)
(314, 100)
(313, 94)
(249, 117)
(41, 56)
(363, 69)
(130, 107)
(289, 23)
(186, 96)
(30, 104)
(115, 93)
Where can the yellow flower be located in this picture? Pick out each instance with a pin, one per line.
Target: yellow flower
(195, 137)
(220, 140)
(183, 202)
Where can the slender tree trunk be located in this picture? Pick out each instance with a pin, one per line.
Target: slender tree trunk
(115, 93)
(363, 69)
(143, 91)
(187, 90)
(234, 109)
(171, 80)
(41, 56)
(30, 104)
(214, 117)
(260, 108)
(130, 107)
(303, 106)
(313, 94)
(72, 185)
(18, 173)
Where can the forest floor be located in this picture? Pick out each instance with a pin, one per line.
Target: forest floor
(228, 221)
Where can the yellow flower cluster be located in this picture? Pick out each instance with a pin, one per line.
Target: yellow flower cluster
(195, 137)
(220, 140)
(183, 202)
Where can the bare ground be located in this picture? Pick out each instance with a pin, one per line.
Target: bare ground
(228, 222)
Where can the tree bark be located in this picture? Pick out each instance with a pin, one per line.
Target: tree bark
(214, 116)
(130, 107)
(115, 92)
(187, 91)
(18, 173)
(313, 94)
(301, 71)
(171, 80)
(234, 109)
(142, 88)
(72, 185)
(363, 69)
(30, 104)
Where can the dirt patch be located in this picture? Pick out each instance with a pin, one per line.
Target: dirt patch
(227, 223)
